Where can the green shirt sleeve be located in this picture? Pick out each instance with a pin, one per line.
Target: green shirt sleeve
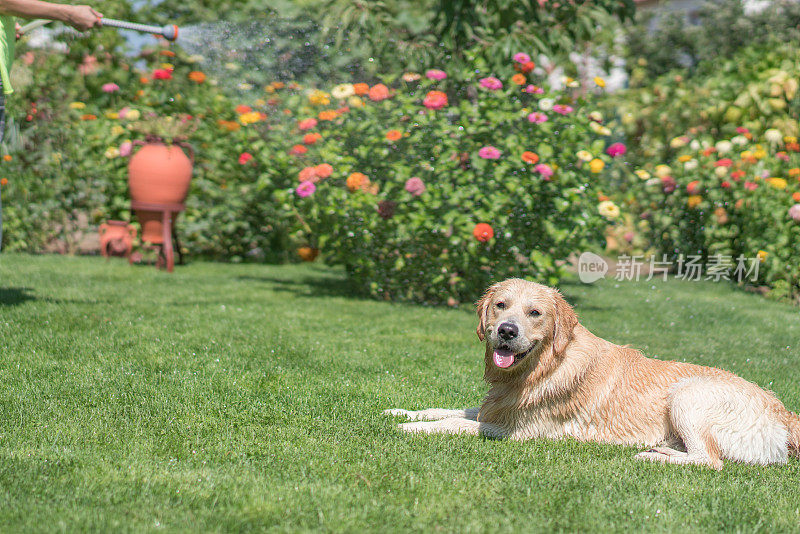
(7, 40)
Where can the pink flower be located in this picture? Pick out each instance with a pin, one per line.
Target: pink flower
(110, 88)
(782, 155)
(537, 117)
(521, 57)
(307, 124)
(435, 100)
(491, 83)
(545, 170)
(668, 184)
(617, 149)
(750, 186)
(563, 109)
(244, 157)
(489, 152)
(125, 149)
(742, 130)
(415, 186)
(162, 74)
(532, 89)
(124, 112)
(435, 74)
(794, 212)
(305, 189)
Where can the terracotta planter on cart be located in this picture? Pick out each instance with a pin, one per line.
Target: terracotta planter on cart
(158, 178)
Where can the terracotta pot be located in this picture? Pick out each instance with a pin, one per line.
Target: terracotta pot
(308, 253)
(116, 238)
(158, 174)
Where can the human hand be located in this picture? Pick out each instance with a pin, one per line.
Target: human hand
(83, 18)
(17, 28)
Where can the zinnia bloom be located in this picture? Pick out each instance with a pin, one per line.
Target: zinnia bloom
(528, 66)
(307, 124)
(530, 157)
(435, 100)
(360, 88)
(617, 149)
(584, 155)
(491, 83)
(562, 109)
(323, 170)
(668, 184)
(435, 74)
(162, 74)
(410, 77)
(110, 88)
(298, 150)
(600, 82)
(305, 189)
(773, 136)
(378, 92)
(545, 170)
(356, 181)
(394, 135)
(125, 149)
(693, 187)
(532, 89)
(489, 152)
(596, 165)
(4, 181)
(415, 186)
(311, 138)
(750, 186)
(521, 57)
(308, 174)
(197, 76)
(794, 212)
(608, 209)
(244, 157)
(342, 91)
(537, 117)
(518, 79)
(483, 232)
(327, 115)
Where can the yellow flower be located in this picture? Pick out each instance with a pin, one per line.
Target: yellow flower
(250, 117)
(77, 105)
(684, 158)
(584, 155)
(663, 170)
(777, 183)
(355, 102)
(112, 152)
(260, 102)
(762, 255)
(319, 98)
(608, 209)
(343, 90)
(133, 115)
(57, 157)
(168, 66)
(790, 139)
(269, 89)
(596, 165)
(604, 130)
(117, 130)
(599, 81)
(642, 174)
(693, 201)
(746, 154)
(113, 115)
(677, 142)
(760, 154)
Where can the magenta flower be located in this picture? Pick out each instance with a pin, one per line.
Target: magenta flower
(532, 89)
(489, 152)
(125, 149)
(617, 149)
(563, 109)
(435, 74)
(305, 189)
(491, 83)
(537, 117)
(794, 212)
(110, 88)
(415, 186)
(521, 57)
(545, 170)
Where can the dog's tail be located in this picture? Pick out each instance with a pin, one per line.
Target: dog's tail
(793, 422)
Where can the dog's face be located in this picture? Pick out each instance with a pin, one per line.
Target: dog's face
(518, 320)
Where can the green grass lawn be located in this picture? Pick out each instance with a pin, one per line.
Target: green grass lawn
(238, 397)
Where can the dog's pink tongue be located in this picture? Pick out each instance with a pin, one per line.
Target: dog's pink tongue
(503, 358)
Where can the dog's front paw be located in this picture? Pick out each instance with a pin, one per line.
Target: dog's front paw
(398, 412)
(419, 427)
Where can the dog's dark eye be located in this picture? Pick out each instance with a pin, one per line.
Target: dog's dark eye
(501, 305)
(534, 313)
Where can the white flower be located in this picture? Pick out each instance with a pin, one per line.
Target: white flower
(342, 91)
(663, 170)
(695, 144)
(690, 165)
(584, 155)
(773, 136)
(608, 209)
(739, 140)
(723, 147)
(546, 104)
(722, 172)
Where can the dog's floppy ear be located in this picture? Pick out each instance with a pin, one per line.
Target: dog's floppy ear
(483, 310)
(565, 322)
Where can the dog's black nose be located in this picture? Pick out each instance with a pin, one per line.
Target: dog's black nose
(508, 331)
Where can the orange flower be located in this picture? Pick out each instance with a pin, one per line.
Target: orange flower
(308, 253)
(518, 79)
(530, 157)
(483, 232)
(356, 181)
(278, 85)
(144, 79)
(309, 174)
(794, 172)
(323, 170)
(241, 109)
(796, 196)
(602, 198)
(794, 146)
(394, 135)
(4, 182)
(88, 117)
(168, 53)
(7, 157)
(361, 88)
(311, 138)
(378, 92)
(197, 76)
(327, 115)
(298, 150)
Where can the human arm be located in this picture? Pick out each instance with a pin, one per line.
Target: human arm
(80, 17)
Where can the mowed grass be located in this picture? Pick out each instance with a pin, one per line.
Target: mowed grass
(249, 397)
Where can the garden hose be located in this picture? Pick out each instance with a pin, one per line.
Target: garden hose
(168, 32)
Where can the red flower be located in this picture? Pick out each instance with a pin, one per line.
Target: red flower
(737, 174)
(162, 74)
(378, 92)
(244, 157)
(483, 232)
(311, 138)
(528, 66)
(724, 162)
(750, 186)
(298, 150)
(692, 187)
(241, 108)
(726, 184)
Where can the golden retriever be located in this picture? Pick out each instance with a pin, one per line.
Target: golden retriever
(550, 377)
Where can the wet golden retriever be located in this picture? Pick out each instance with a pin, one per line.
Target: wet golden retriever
(551, 377)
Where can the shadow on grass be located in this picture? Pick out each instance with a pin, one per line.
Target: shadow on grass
(309, 286)
(14, 296)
